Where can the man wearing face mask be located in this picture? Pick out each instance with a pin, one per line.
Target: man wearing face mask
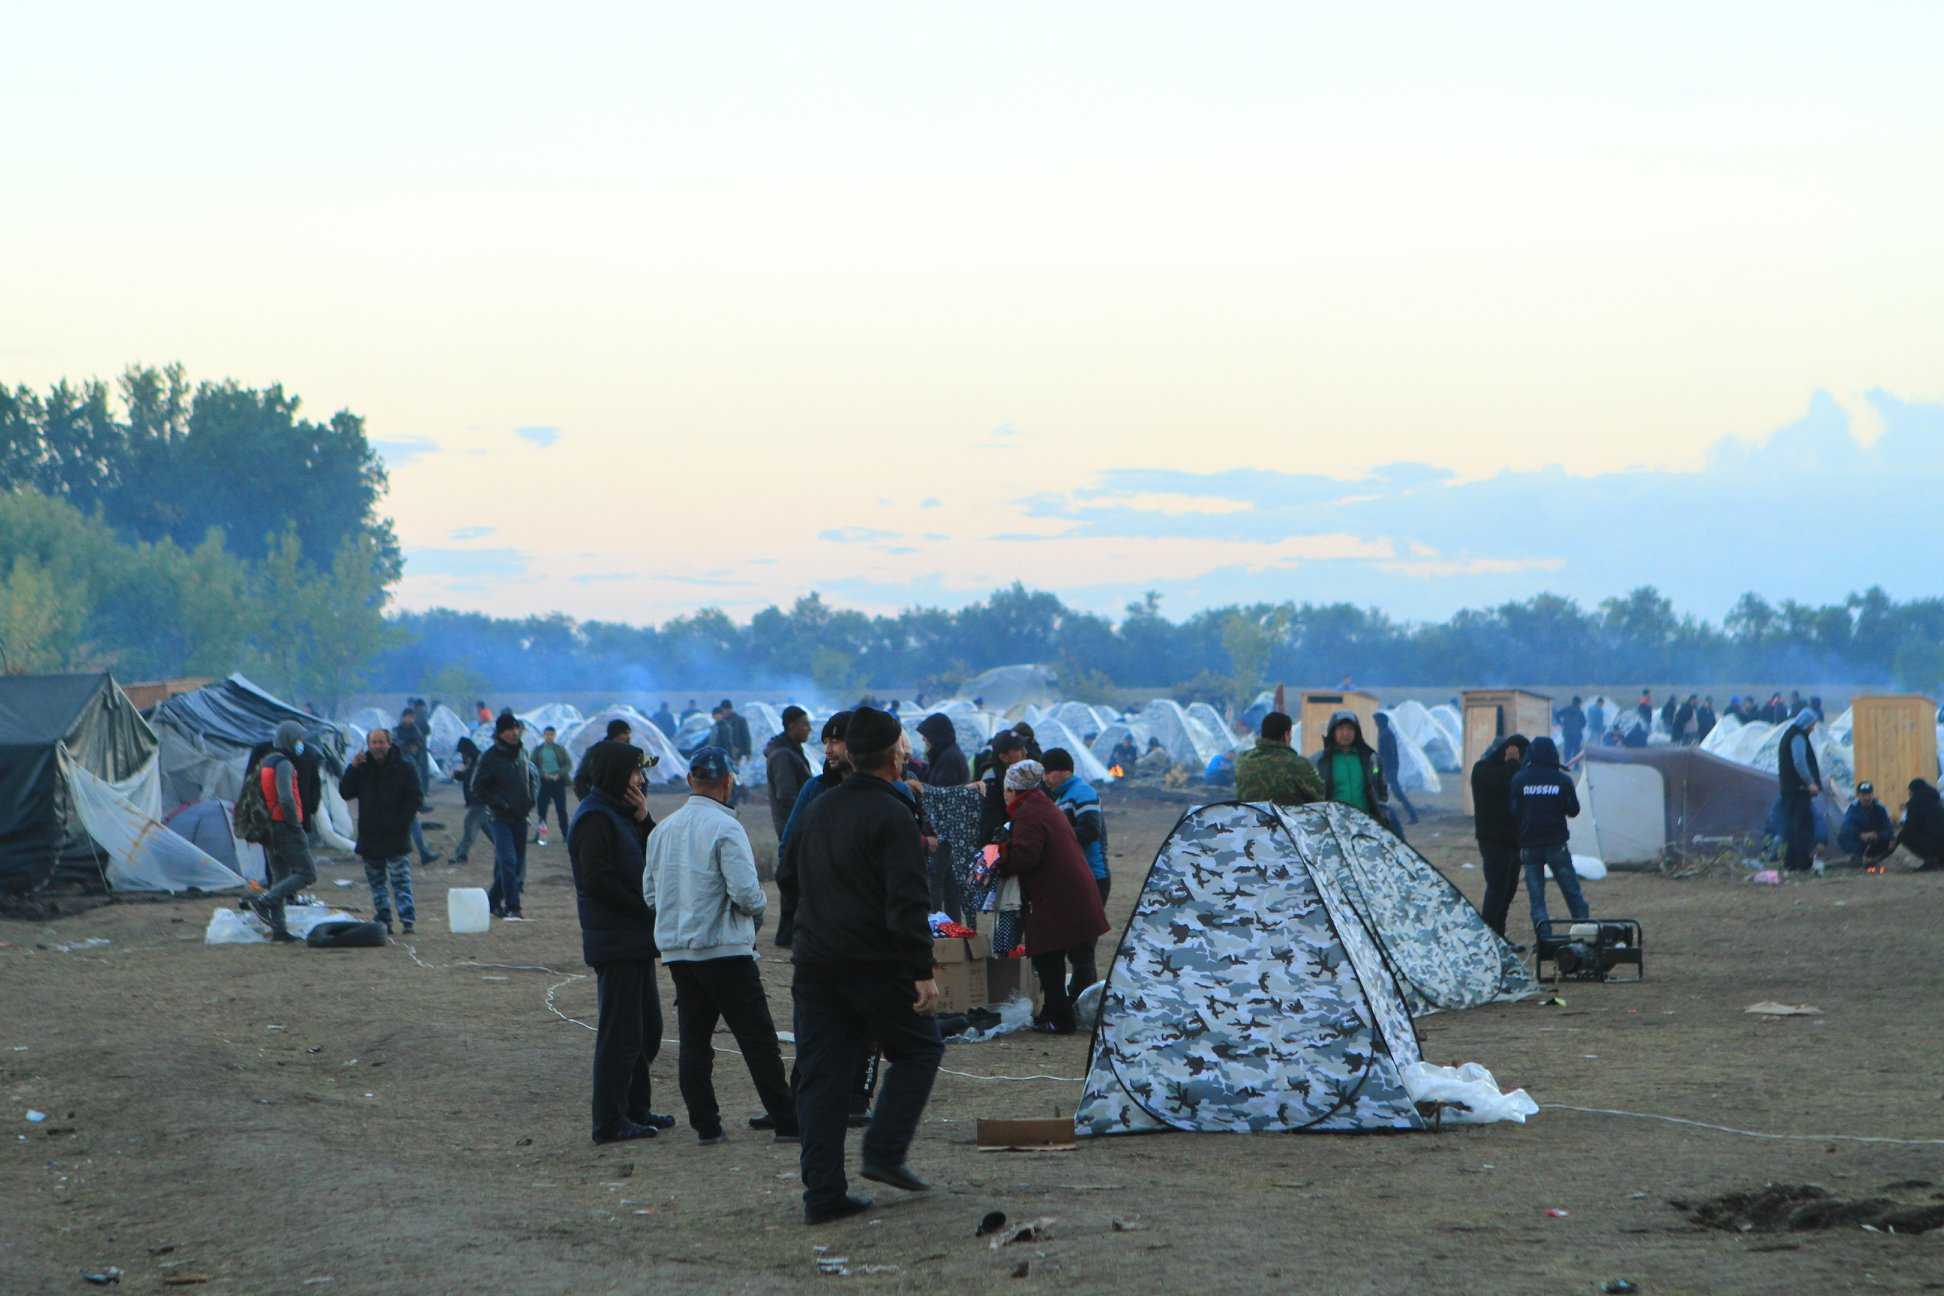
(508, 786)
(288, 860)
(607, 844)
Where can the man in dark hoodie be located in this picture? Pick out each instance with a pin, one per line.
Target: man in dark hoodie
(475, 812)
(385, 784)
(1391, 761)
(507, 785)
(1571, 719)
(287, 860)
(836, 768)
(607, 845)
(862, 956)
(788, 769)
(1801, 779)
(1543, 800)
(945, 764)
(1496, 827)
(1350, 771)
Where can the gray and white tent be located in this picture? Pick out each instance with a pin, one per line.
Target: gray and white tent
(1267, 977)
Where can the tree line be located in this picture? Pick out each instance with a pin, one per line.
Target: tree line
(164, 529)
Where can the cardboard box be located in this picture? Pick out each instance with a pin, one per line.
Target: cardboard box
(961, 986)
(1042, 1135)
(958, 949)
(1006, 977)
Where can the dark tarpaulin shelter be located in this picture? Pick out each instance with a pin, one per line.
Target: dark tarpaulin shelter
(42, 840)
(207, 736)
(1640, 801)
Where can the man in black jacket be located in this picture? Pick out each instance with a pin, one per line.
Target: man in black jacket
(607, 845)
(468, 751)
(1543, 800)
(1391, 761)
(386, 787)
(786, 767)
(1497, 830)
(1572, 728)
(862, 952)
(1801, 779)
(507, 785)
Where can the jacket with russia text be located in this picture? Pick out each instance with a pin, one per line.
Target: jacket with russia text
(1543, 798)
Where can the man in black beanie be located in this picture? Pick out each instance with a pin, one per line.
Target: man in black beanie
(862, 952)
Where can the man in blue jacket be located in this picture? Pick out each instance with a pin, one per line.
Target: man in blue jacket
(1078, 801)
(1866, 826)
(1543, 800)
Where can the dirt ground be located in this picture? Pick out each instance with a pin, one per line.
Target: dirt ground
(415, 1120)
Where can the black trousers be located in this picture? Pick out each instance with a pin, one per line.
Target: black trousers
(1051, 969)
(726, 990)
(834, 1020)
(627, 1037)
(1502, 870)
(1093, 949)
(1801, 826)
(553, 792)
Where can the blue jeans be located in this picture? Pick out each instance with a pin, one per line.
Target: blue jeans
(397, 875)
(509, 865)
(1537, 859)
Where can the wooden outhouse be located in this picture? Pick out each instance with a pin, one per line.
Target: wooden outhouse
(1893, 740)
(1490, 714)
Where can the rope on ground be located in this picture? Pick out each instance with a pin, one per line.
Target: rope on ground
(570, 977)
(1730, 1129)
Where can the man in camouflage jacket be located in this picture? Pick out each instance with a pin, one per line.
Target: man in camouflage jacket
(1274, 771)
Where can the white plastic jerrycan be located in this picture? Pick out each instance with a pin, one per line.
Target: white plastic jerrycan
(466, 911)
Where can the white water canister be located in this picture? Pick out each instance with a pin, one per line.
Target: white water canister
(466, 911)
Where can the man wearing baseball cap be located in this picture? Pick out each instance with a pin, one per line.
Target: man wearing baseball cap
(1866, 833)
(862, 954)
(701, 882)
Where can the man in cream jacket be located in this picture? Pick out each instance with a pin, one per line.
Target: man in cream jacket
(701, 882)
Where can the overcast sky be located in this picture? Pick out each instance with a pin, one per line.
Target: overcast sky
(656, 306)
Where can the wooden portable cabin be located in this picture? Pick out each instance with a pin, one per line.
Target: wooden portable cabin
(1319, 706)
(1490, 714)
(1893, 740)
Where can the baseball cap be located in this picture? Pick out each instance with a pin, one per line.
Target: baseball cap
(1865, 787)
(710, 764)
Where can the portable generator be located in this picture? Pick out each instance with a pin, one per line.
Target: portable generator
(1589, 949)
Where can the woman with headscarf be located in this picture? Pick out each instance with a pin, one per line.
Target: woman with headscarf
(607, 844)
(1064, 915)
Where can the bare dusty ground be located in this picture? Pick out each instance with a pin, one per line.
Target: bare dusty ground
(281, 1119)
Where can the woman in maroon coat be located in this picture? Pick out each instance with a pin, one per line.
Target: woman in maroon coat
(1063, 910)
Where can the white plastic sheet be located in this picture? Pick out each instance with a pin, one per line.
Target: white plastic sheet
(143, 853)
(1471, 1086)
(234, 927)
(1589, 868)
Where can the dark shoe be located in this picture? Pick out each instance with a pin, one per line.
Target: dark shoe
(515, 916)
(842, 1209)
(898, 1176)
(384, 920)
(710, 1138)
(1414, 816)
(860, 1119)
(496, 911)
(660, 1120)
(789, 1133)
(429, 860)
(1046, 1027)
(407, 928)
(460, 859)
(763, 1122)
(625, 1131)
(282, 936)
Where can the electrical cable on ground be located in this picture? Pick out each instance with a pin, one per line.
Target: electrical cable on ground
(1730, 1129)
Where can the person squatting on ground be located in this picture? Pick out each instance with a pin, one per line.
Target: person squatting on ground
(556, 768)
(1274, 771)
(1350, 770)
(702, 884)
(287, 862)
(508, 785)
(862, 960)
(1543, 800)
(1922, 832)
(1496, 827)
(1801, 778)
(1064, 915)
(386, 787)
(1391, 761)
(607, 848)
(1866, 831)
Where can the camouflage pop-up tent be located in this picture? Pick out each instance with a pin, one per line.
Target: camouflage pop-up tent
(1257, 986)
